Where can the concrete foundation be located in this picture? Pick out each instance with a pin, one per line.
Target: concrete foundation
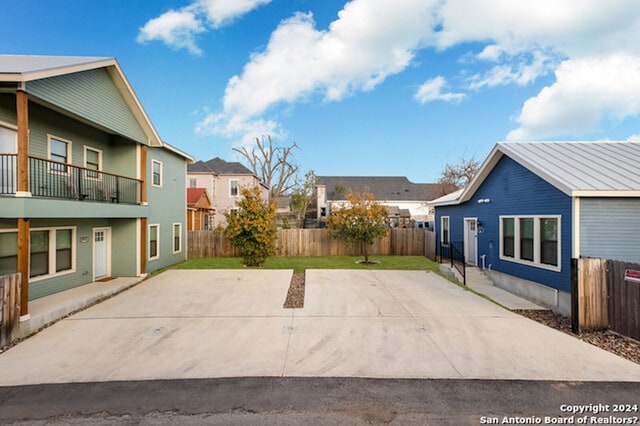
(556, 300)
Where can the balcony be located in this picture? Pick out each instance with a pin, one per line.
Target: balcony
(51, 179)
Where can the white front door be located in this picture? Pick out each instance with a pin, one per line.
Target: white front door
(471, 241)
(100, 253)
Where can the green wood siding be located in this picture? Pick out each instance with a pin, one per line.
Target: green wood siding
(167, 205)
(124, 248)
(92, 95)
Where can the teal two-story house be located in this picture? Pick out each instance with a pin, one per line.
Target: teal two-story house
(88, 190)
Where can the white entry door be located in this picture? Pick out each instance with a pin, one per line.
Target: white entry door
(471, 241)
(100, 253)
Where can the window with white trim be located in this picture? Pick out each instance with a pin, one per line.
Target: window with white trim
(93, 162)
(154, 242)
(445, 230)
(233, 188)
(51, 252)
(177, 238)
(533, 240)
(59, 150)
(156, 173)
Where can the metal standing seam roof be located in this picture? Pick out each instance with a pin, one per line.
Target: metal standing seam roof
(23, 67)
(600, 168)
(580, 166)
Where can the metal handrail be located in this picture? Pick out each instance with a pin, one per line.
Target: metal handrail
(54, 179)
(454, 252)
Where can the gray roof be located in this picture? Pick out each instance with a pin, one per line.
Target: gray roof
(219, 167)
(579, 169)
(384, 188)
(580, 166)
(21, 65)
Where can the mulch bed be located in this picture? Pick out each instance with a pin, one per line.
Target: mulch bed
(609, 341)
(295, 295)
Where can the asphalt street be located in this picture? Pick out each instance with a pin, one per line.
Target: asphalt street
(285, 401)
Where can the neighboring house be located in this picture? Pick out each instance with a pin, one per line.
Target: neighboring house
(392, 191)
(88, 190)
(200, 214)
(224, 181)
(534, 206)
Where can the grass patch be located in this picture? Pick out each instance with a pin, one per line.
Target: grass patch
(299, 264)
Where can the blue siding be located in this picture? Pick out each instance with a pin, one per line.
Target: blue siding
(513, 190)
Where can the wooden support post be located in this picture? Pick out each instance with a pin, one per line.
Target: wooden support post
(22, 112)
(23, 264)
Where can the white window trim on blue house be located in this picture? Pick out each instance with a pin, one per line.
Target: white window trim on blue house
(536, 241)
(442, 229)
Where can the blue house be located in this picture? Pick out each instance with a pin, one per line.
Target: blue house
(534, 206)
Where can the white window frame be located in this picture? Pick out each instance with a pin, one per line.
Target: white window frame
(159, 163)
(157, 256)
(536, 241)
(99, 171)
(173, 241)
(10, 169)
(237, 194)
(193, 182)
(442, 240)
(52, 253)
(69, 161)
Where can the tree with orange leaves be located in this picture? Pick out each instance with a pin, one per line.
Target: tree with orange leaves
(360, 221)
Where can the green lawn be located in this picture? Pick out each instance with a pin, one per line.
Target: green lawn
(299, 264)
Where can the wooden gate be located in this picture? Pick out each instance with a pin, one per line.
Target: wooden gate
(624, 298)
(9, 307)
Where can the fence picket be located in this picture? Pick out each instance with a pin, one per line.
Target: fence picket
(315, 242)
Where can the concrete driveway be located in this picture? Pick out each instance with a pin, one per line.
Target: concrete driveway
(212, 323)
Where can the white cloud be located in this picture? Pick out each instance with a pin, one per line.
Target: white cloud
(586, 92)
(520, 70)
(431, 90)
(178, 29)
(221, 12)
(370, 40)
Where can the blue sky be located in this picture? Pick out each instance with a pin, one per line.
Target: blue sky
(364, 87)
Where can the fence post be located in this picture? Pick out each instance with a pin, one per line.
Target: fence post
(10, 286)
(575, 300)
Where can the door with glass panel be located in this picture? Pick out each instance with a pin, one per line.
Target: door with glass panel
(100, 253)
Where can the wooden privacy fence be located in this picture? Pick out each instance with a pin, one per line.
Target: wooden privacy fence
(9, 307)
(313, 242)
(608, 296)
(624, 298)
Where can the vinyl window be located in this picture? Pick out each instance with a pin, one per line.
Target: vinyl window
(233, 187)
(531, 240)
(59, 151)
(8, 252)
(445, 229)
(93, 162)
(51, 252)
(156, 173)
(154, 242)
(177, 238)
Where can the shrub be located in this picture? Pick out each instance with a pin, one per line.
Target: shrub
(252, 228)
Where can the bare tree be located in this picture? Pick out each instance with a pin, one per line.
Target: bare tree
(274, 165)
(457, 175)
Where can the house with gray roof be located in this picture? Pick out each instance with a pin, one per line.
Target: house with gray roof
(533, 206)
(88, 190)
(408, 199)
(224, 181)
